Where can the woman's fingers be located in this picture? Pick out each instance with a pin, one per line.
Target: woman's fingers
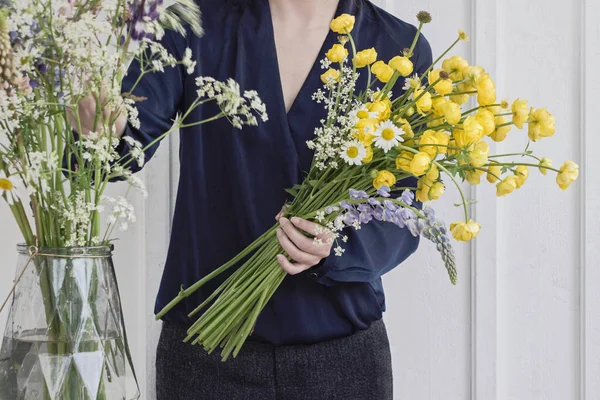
(299, 239)
(287, 266)
(294, 252)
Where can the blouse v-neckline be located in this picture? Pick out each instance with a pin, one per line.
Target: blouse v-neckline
(328, 41)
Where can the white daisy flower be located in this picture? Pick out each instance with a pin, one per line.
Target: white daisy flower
(8, 187)
(387, 136)
(363, 113)
(413, 82)
(353, 152)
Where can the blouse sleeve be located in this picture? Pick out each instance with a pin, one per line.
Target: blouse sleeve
(378, 247)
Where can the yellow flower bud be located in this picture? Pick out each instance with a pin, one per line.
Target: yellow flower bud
(436, 191)
(452, 113)
(501, 131)
(465, 231)
(444, 86)
(382, 71)
(479, 155)
(402, 64)
(506, 186)
(545, 163)
(520, 111)
(330, 75)
(568, 173)
(474, 176)
(433, 174)
(423, 187)
(487, 120)
(420, 163)
(382, 108)
(541, 124)
(437, 104)
(410, 112)
(343, 24)
(369, 156)
(452, 143)
(403, 161)
(486, 90)
(366, 57)
(443, 139)
(365, 130)
(471, 132)
(455, 67)
(428, 138)
(522, 173)
(384, 178)
(459, 99)
(337, 53)
(472, 74)
(494, 173)
(405, 126)
(424, 103)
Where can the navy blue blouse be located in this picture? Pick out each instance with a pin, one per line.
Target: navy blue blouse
(232, 182)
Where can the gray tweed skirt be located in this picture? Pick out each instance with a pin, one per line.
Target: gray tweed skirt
(357, 367)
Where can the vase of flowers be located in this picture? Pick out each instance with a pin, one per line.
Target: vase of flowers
(66, 338)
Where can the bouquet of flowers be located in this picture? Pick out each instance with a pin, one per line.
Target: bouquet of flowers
(56, 58)
(372, 139)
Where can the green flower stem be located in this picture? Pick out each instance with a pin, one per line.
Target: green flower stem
(495, 164)
(414, 43)
(187, 292)
(514, 155)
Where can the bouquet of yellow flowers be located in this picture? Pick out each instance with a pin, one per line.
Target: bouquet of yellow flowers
(370, 140)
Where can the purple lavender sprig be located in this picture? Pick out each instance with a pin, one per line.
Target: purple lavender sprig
(400, 213)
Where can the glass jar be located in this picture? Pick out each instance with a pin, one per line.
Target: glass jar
(65, 337)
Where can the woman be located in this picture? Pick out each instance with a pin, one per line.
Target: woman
(321, 336)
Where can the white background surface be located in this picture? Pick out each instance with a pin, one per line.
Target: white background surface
(524, 321)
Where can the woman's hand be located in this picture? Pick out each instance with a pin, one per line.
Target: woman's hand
(303, 250)
(86, 115)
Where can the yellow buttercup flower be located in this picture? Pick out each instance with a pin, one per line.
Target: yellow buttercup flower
(443, 139)
(465, 231)
(382, 108)
(444, 86)
(472, 75)
(424, 103)
(452, 113)
(423, 187)
(494, 172)
(459, 99)
(474, 176)
(520, 111)
(471, 132)
(337, 53)
(366, 57)
(437, 105)
(433, 174)
(486, 90)
(568, 173)
(500, 132)
(402, 64)
(403, 161)
(428, 143)
(420, 163)
(343, 24)
(487, 120)
(506, 186)
(405, 126)
(365, 130)
(382, 71)
(455, 66)
(479, 155)
(522, 173)
(544, 164)
(369, 156)
(436, 190)
(384, 178)
(330, 75)
(541, 124)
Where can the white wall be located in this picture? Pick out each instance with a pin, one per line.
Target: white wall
(524, 321)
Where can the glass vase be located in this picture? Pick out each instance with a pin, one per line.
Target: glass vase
(65, 337)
